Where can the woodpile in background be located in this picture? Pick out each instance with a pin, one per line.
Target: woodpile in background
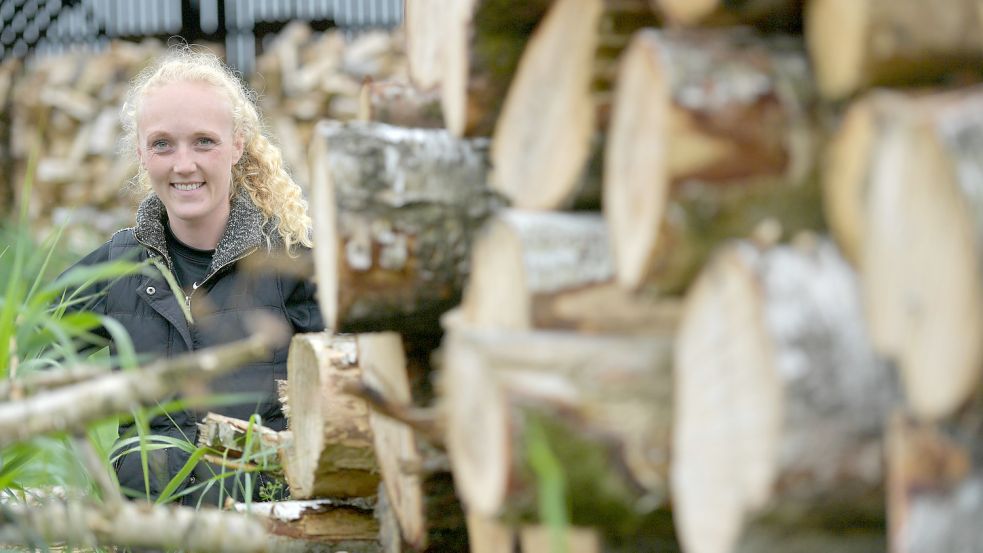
(760, 331)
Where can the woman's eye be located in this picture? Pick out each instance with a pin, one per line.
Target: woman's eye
(205, 141)
(159, 145)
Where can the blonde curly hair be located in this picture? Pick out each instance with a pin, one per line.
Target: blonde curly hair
(260, 170)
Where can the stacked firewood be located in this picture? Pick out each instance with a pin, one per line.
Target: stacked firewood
(740, 323)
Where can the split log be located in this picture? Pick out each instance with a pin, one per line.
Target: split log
(383, 364)
(489, 535)
(394, 213)
(780, 404)
(332, 453)
(400, 104)
(135, 525)
(935, 485)
(549, 270)
(602, 400)
(711, 135)
(74, 407)
(858, 44)
(469, 51)
(319, 526)
(559, 100)
(769, 15)
(922, 251)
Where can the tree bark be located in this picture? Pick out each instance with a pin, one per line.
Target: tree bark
(133, 525)
(470, 51)
(228, 436)
(394, 212)
(769, 15)
(779, 407)
(858, 44)
(551, 270)
(558, 101)
(74, 407)
(332, 453)
(934, 484)
(923, 213)
(711, 135)
(604, 403)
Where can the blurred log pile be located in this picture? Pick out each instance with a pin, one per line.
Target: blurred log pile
(760, 330)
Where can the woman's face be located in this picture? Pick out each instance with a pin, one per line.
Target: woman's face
(187, 146)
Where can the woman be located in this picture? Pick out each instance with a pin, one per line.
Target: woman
(218, 200)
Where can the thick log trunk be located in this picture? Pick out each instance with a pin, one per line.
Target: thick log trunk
(780, 404)
(935, 479)
(559, 100)
(921, 261)
(394, 213)
(686, 168)
(470, 51)
(551, 270)
(319, 526)
(602, 401)
(383, 363)
(332, 453)
(398, 103)
(771, 15)
(857, 44)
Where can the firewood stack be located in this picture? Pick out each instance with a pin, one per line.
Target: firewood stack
(751, 335)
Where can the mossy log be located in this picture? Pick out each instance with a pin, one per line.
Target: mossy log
(711, 135)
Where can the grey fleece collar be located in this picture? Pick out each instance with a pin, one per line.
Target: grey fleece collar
(244, 231)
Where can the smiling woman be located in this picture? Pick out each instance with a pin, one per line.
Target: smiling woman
(218, 201)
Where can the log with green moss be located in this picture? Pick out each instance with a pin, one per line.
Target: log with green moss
(712, 135)
(540, 413)
(470, 51)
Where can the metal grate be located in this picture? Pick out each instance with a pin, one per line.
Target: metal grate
(42, 27)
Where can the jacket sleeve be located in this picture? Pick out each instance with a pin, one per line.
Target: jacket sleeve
(301, 306)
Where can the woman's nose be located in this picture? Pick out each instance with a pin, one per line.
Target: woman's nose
(184, 161)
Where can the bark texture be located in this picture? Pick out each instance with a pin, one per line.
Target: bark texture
(395, 211)
(780, 404)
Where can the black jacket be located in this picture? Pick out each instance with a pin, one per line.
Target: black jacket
(221, 307)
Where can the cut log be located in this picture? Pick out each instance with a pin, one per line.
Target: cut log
(857, 44)
(935, 485)
(922, 253)
(558, 101)
(605, 402)
(469, 50)
(319, 526)
(533, 269)
(711, 134)
(332, 453)
(394, 213)
(538, 538)
(489, 535)
(780, 404)
(771, 15)
(398, 103)
(383, 363)
(228, 436)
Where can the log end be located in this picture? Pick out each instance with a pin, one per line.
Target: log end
(836, 31)
(635, 189)
(723, 465)
(686, 12)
